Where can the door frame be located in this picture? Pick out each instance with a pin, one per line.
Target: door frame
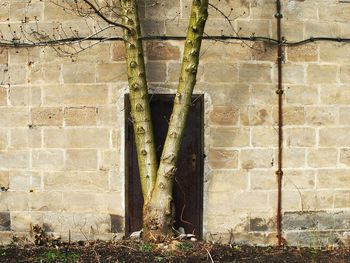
(199, 98)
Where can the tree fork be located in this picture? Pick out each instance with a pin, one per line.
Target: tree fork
(159, 213)
(139, 99)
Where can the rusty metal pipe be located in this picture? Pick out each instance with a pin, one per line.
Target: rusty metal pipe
(279, 92)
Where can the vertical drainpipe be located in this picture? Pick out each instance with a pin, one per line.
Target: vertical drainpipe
(279, 91)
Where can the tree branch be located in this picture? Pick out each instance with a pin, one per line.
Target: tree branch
(97, 12)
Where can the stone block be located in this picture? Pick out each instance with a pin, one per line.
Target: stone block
(4, 141)
(21, 221)
(118, 51)
(262, 222)
(291, 201)
(75, 95)
(342, 199)
(256, 158)
(311, 238)
(256, 115)
(334, 52)
(162, 50)
(108, 116)
(239, 222)
(86, 224)
(47, 116)
(252, 201)
(3, 96)
(234, 8)
(344, 74)
(321, 116)
(264, 136)
(263, 180)
(31, 11)
(80, 181)
(334, 137)
(292, 115)
(292, 73)
(111, 72)
(173, 71)
(110, 202)
(48, 159)
(260, 73)
(162, 10)
(4, 180)
(76, 138)
(156, 71)
(224, 115)
(335, 94)
(116, 181)
(303, 53)
(333, 178)
(258, 28)
(25, 138)
(227, 181)
(300, 137)
(85, 116)
(81, 160)
(299, 179)
(5, 221)
(345, 156)
(17, 75)
(321, 29)
(78, 73)
(154, 27)
(25, 96)
(14, 117)
(45, 74)
(334, 12)
(293, 157)
(308, 220)
(227, 53)
(25, 181)
(322, 157)
(223, 159)
(301, 95)
(229, 137)
(53, 12)
(110, 160)
(321, 74)
(226, 94)
(263, 94)
(15, 201)
(220, 72)
(317, 200)
(215, 201)
(263, 51)
(4, 52)
(46, 201)
(13, 159)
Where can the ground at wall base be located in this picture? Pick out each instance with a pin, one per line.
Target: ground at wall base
(187, 251)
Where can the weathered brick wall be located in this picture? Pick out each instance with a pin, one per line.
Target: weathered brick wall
(61, 128)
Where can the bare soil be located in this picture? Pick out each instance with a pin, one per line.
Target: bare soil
(185, 251)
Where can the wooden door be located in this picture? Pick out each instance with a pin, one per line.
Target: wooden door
(188, 186)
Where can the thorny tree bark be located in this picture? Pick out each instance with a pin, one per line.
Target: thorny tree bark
(157, 184)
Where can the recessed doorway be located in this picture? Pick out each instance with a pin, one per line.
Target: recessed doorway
(188, 186)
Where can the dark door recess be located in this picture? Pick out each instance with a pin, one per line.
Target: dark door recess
(188, 187)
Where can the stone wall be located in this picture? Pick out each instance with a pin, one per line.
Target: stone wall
(62, 135)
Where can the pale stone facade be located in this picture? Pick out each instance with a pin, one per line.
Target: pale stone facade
(62, 122)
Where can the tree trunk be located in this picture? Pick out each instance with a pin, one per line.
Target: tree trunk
(159, 212)
(139, 100)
